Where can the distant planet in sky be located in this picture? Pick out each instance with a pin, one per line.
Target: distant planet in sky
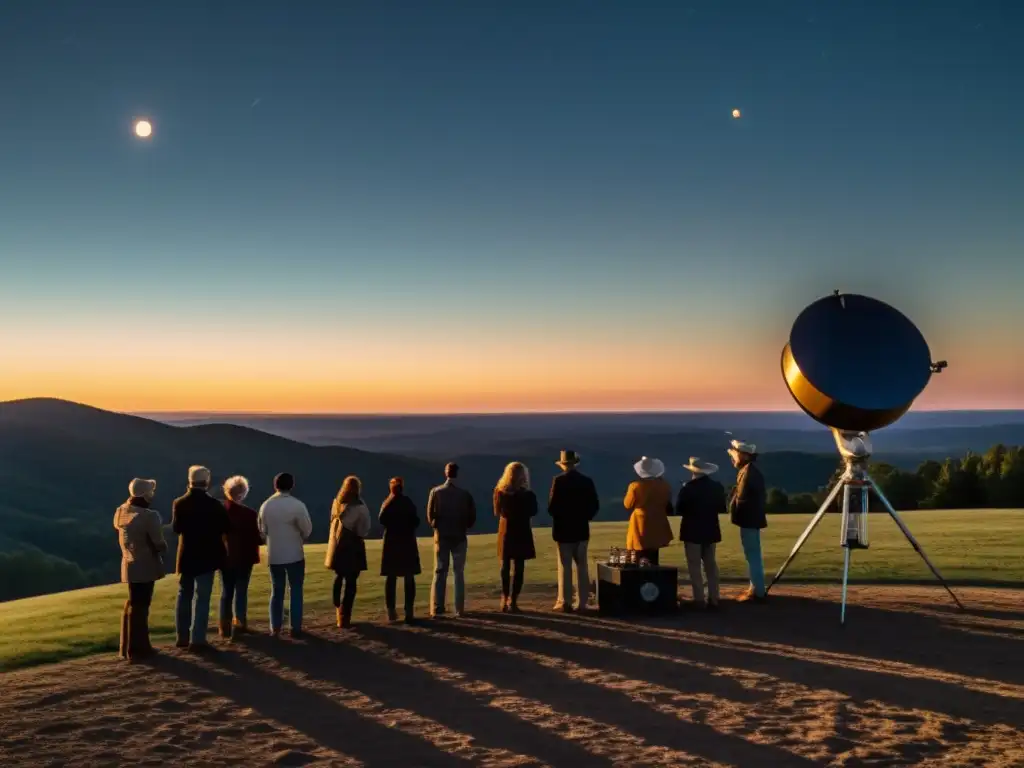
(143, 129)
(736, 113)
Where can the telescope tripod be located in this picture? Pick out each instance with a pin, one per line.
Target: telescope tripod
(855, 450)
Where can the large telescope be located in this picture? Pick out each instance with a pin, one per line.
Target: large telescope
(856, 364)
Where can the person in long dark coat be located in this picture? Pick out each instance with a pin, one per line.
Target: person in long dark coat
(243, 542)
(699, 504)
(514, 506)
(400, 554)
(346, 547)
(747, 511)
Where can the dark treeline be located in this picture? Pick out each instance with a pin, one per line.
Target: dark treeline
(993, 480)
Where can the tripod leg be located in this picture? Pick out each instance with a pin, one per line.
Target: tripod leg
(807, 532)
(913, 542)
(846, 576)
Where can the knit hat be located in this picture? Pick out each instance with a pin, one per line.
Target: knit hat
(142, 489)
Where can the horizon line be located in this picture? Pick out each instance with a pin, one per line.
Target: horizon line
(595, 412)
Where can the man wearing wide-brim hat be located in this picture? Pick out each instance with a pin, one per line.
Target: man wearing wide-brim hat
(649, 501)
(700, 502)
(747, 511)
(572, 504)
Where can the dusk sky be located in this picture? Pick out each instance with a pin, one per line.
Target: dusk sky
(499, 206)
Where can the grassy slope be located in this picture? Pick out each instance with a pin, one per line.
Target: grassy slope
(982, 546)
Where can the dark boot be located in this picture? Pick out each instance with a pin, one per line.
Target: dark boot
(389, 598)
(134, 635)
(122, 649)
(410, 602)
(145, 644)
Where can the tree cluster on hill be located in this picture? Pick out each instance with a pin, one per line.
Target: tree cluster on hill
(992, 480)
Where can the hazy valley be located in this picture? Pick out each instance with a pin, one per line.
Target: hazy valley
(65, 467)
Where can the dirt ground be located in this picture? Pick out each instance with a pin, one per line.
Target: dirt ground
(908, 681)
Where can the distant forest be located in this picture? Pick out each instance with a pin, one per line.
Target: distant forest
(992, 480)
(995, 479)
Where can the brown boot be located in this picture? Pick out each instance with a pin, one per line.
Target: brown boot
(224, 629)
(138, 635)
(340, 618)
(122, 649)
(504, 604)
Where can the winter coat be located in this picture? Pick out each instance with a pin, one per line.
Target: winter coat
(201, 523)
(141, 536)
(346, 548)
(572, 504)
(243, 539)
(699, 503)
(515, 537)
(650, 501)
(747, 505)
(400, 554)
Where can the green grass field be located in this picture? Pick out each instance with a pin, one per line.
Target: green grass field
(968, 546)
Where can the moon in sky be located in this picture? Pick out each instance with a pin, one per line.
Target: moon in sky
(143, 129)
(736, 114)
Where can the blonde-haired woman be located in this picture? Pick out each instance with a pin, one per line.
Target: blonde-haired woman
(514, 506)
(243, 541)
(346, 548)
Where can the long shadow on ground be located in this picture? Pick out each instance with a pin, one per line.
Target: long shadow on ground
(581, 641)
(578, 698)
(937, 639)
(403, 687)
(307, 711)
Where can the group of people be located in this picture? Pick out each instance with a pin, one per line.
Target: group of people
(699, 503)
(226, 536)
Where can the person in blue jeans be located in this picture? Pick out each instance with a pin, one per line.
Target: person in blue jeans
(747, 511)
(285, 525)
(201, 524)
(243, 545)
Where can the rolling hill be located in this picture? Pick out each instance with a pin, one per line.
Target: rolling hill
(64, 467)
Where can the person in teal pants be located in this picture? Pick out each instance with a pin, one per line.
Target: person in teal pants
(747, 512)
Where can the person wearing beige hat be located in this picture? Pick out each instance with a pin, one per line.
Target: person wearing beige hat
(201, 523)
(649, 501)
(747, 511)
(140, 534)
(699, 504)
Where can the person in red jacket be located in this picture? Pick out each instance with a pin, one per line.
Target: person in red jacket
(243, 541)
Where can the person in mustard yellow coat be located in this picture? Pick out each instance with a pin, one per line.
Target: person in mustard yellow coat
(649, 499)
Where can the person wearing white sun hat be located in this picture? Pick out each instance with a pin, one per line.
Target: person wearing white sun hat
(649, 501)
(747, 511)
(699, 504)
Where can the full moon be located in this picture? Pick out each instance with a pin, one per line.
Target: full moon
(736, 114)
(143, 129)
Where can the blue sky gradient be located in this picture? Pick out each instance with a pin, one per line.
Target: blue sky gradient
(398, 178)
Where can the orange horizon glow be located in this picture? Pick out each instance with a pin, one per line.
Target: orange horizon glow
(379, 403)
(403, 370)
